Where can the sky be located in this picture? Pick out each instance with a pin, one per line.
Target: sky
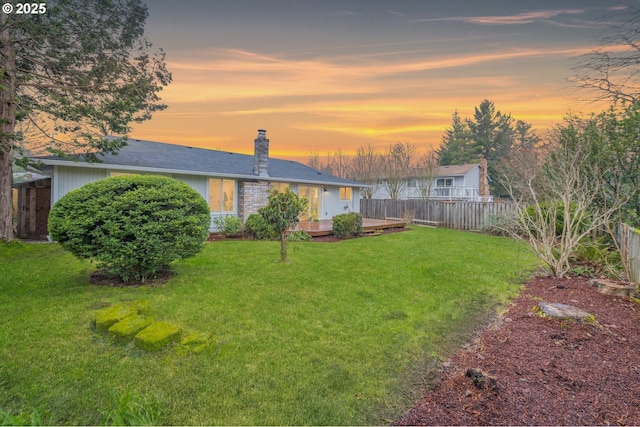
(328, 75)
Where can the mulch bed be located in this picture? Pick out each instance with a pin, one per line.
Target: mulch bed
(332, 238)
(530, 370)
(214, 237)
(104, 278)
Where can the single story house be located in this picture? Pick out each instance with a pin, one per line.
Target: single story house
(468, 182)
(233, 184)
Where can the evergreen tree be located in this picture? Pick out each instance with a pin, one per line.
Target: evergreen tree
(490, 135)
(80, 70)
(455, 148)
(490, 132)
(524, 137)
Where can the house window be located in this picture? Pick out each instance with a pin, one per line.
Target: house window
(346, 194)
(222, 195)
(313, 209)
(412, 183)
(280, 186)
(444, 182)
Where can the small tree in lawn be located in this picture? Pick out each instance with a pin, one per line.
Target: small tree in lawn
(282, 213)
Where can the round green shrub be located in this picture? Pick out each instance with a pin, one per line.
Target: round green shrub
(347, 225)
(228, 225)
(133, 226)
(256, 227)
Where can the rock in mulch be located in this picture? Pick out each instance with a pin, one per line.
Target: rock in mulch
(559, 310)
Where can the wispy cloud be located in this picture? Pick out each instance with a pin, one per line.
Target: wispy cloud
(232, 74)
(396, 13)
(517, 19)
(345, 12)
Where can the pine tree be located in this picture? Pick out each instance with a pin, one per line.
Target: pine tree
(456, 144)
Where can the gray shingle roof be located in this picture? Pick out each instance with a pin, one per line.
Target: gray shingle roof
(162, 156)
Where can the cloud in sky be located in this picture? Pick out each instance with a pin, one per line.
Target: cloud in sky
(515, 19)
(345, 74)
(234, 74)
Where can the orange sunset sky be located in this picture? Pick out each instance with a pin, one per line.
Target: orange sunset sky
(327, 75)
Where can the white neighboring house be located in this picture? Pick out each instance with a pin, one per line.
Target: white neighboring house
(468, 182)
(233, 184)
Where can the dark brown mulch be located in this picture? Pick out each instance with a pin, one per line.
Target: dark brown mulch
(104, 278)
(332, 238)
(544, 371)
(214, 237)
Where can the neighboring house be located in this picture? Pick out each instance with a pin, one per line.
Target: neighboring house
(458, 182)
(233, 184)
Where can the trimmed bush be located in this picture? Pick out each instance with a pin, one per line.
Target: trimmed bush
(133, 226)
(228, 225)
(256, 227)
(347, 225)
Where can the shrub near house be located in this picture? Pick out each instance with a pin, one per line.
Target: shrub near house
(134, 226)
(347, 225)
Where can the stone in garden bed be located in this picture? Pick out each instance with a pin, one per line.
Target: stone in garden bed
(563, 311)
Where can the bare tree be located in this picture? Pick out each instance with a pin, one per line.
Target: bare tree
(427, 172)
(339, 164)
(555, 189)
(396, 165)
(612, 70)
(314, 160)
(366, 169)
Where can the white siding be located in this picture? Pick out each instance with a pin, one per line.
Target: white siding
(198, 183)
(472, 178)
(67, 178)
(332, 205)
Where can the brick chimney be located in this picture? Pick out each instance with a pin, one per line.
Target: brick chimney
(261, 154)
(484, 180)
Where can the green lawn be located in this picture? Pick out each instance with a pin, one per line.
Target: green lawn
(343, 333)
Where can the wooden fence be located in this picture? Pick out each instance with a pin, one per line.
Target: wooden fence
(630, 251)
(451, 214)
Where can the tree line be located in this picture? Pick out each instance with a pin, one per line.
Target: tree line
(388, 169)
(489, 135)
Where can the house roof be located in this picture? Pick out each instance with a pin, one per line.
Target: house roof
(152, 157)
(443, 171)
(456, 170)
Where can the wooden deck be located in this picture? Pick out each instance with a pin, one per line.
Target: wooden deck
(324, 226)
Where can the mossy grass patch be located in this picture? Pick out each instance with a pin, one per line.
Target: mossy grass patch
(125, 330)
(109, 316)
(157, 336)
(194, 342)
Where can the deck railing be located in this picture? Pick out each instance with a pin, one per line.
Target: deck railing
(446, 193)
